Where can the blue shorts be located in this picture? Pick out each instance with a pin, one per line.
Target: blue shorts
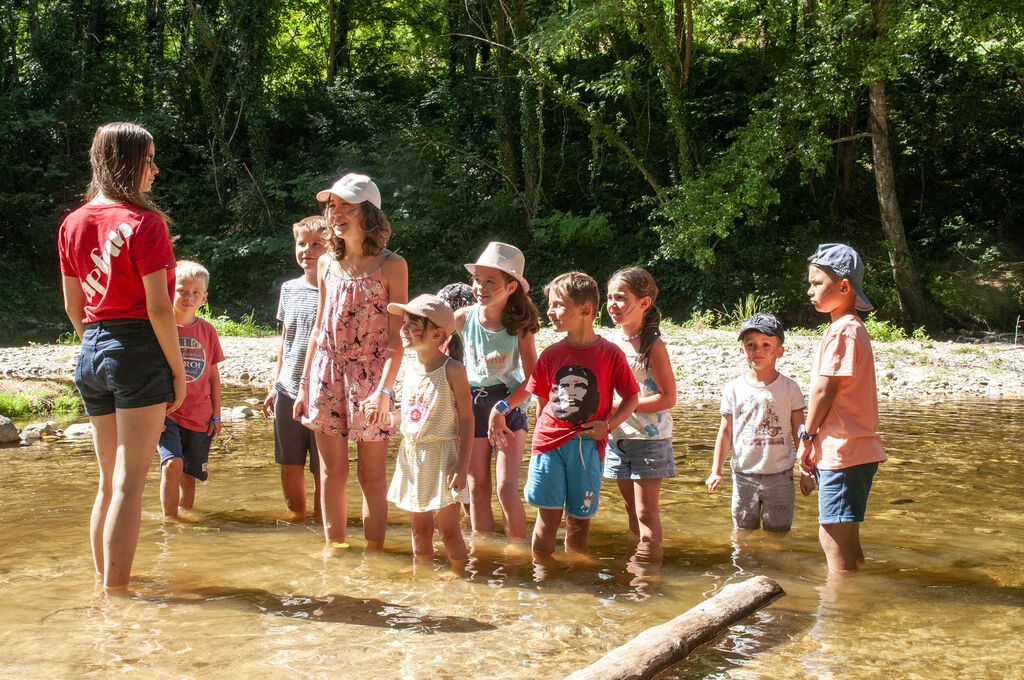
(121, 365)
(484, 399)
(843, 494)
(566, 477)
(191, 446)
(292, 439)
(639, 459)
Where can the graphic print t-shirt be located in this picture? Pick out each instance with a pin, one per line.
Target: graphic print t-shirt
(200, 351)
(762, 437)
(578, 384)
(109, 248)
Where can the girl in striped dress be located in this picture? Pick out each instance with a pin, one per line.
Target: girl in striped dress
(437, 430)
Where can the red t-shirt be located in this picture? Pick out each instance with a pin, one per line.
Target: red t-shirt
(200, 350)
(109, 248)
(578, 384)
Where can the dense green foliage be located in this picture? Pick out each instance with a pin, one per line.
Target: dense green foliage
(592, 134)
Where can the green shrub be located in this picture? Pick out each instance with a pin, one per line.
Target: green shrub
(885, 331)
(744, 308)
(44, 400)
(246, 328)
(68, 338)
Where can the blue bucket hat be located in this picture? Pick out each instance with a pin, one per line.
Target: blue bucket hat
(763, 323)
(844, 262)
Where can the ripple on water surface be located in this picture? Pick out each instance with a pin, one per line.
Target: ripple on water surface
(234, 590)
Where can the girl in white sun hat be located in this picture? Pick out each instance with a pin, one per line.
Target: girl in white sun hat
(498, 333)
(354, 353)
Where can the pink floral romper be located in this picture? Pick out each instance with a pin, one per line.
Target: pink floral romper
(349, 357)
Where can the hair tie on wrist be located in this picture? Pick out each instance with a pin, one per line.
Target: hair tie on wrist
(303, 379)
(214, 419)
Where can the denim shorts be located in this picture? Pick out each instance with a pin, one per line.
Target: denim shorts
(763, 499)
(292, 439)
(484, 399)
(566, 477)
(192, 446)
(843, 494)
(122, 366)
(639, 459)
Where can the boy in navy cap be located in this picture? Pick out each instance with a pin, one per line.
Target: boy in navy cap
(762, 411)
(841, 444)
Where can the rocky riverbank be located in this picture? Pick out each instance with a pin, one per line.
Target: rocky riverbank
(704, 360)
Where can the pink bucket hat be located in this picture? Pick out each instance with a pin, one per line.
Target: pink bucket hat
(505, 257)
(354, 189)
(430, 307)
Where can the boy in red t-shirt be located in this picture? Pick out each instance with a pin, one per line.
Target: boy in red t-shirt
(574, 381)
(188, 432)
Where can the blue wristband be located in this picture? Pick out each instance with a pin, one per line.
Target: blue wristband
(386, 391)
(214, 419)
(502, 407)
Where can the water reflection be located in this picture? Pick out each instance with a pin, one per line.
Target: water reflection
(235, 589)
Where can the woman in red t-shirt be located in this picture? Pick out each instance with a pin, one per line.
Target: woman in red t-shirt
(117, 268)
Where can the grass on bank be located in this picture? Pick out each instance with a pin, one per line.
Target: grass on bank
(21, 399)
(731, 318)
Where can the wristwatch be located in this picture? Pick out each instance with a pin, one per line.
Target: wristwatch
(805, 435)
(502, 407)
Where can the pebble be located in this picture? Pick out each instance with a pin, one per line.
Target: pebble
(704, 361)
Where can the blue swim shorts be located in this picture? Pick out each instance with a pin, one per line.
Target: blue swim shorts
(843, 494)
(566, 477)
(191, 446)
(639, 459)
(484, 399)
(122, 366)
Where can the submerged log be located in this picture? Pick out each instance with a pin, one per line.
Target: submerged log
(656, 649)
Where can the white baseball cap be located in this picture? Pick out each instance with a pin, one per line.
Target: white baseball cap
(353, 188)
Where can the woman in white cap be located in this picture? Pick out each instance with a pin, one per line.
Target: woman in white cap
(498, 333)
(353, 357)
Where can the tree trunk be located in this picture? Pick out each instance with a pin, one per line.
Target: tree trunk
(917, 306)
(661, 647)
(919, 310)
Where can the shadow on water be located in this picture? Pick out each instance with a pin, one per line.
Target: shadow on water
(327, 609)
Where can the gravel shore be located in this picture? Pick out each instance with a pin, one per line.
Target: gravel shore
(704, 360)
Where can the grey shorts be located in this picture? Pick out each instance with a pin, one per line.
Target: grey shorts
(766, 499)
(639, 459)
(292, 439)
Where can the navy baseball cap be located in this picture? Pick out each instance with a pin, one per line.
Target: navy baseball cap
(844, 262)
(763, 323)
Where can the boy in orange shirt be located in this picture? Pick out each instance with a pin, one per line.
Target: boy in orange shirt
(840, 443)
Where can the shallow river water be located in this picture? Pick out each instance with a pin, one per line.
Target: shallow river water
(237, 593)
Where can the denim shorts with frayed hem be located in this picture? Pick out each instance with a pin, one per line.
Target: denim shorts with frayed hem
(843, 494)
(639, 459)
(122, 366)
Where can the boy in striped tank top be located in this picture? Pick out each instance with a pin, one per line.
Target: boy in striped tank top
(296, 311)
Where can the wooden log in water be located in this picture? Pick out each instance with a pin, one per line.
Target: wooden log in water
(656, 649)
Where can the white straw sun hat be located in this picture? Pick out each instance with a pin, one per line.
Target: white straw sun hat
(353, 188)
(505, 257)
